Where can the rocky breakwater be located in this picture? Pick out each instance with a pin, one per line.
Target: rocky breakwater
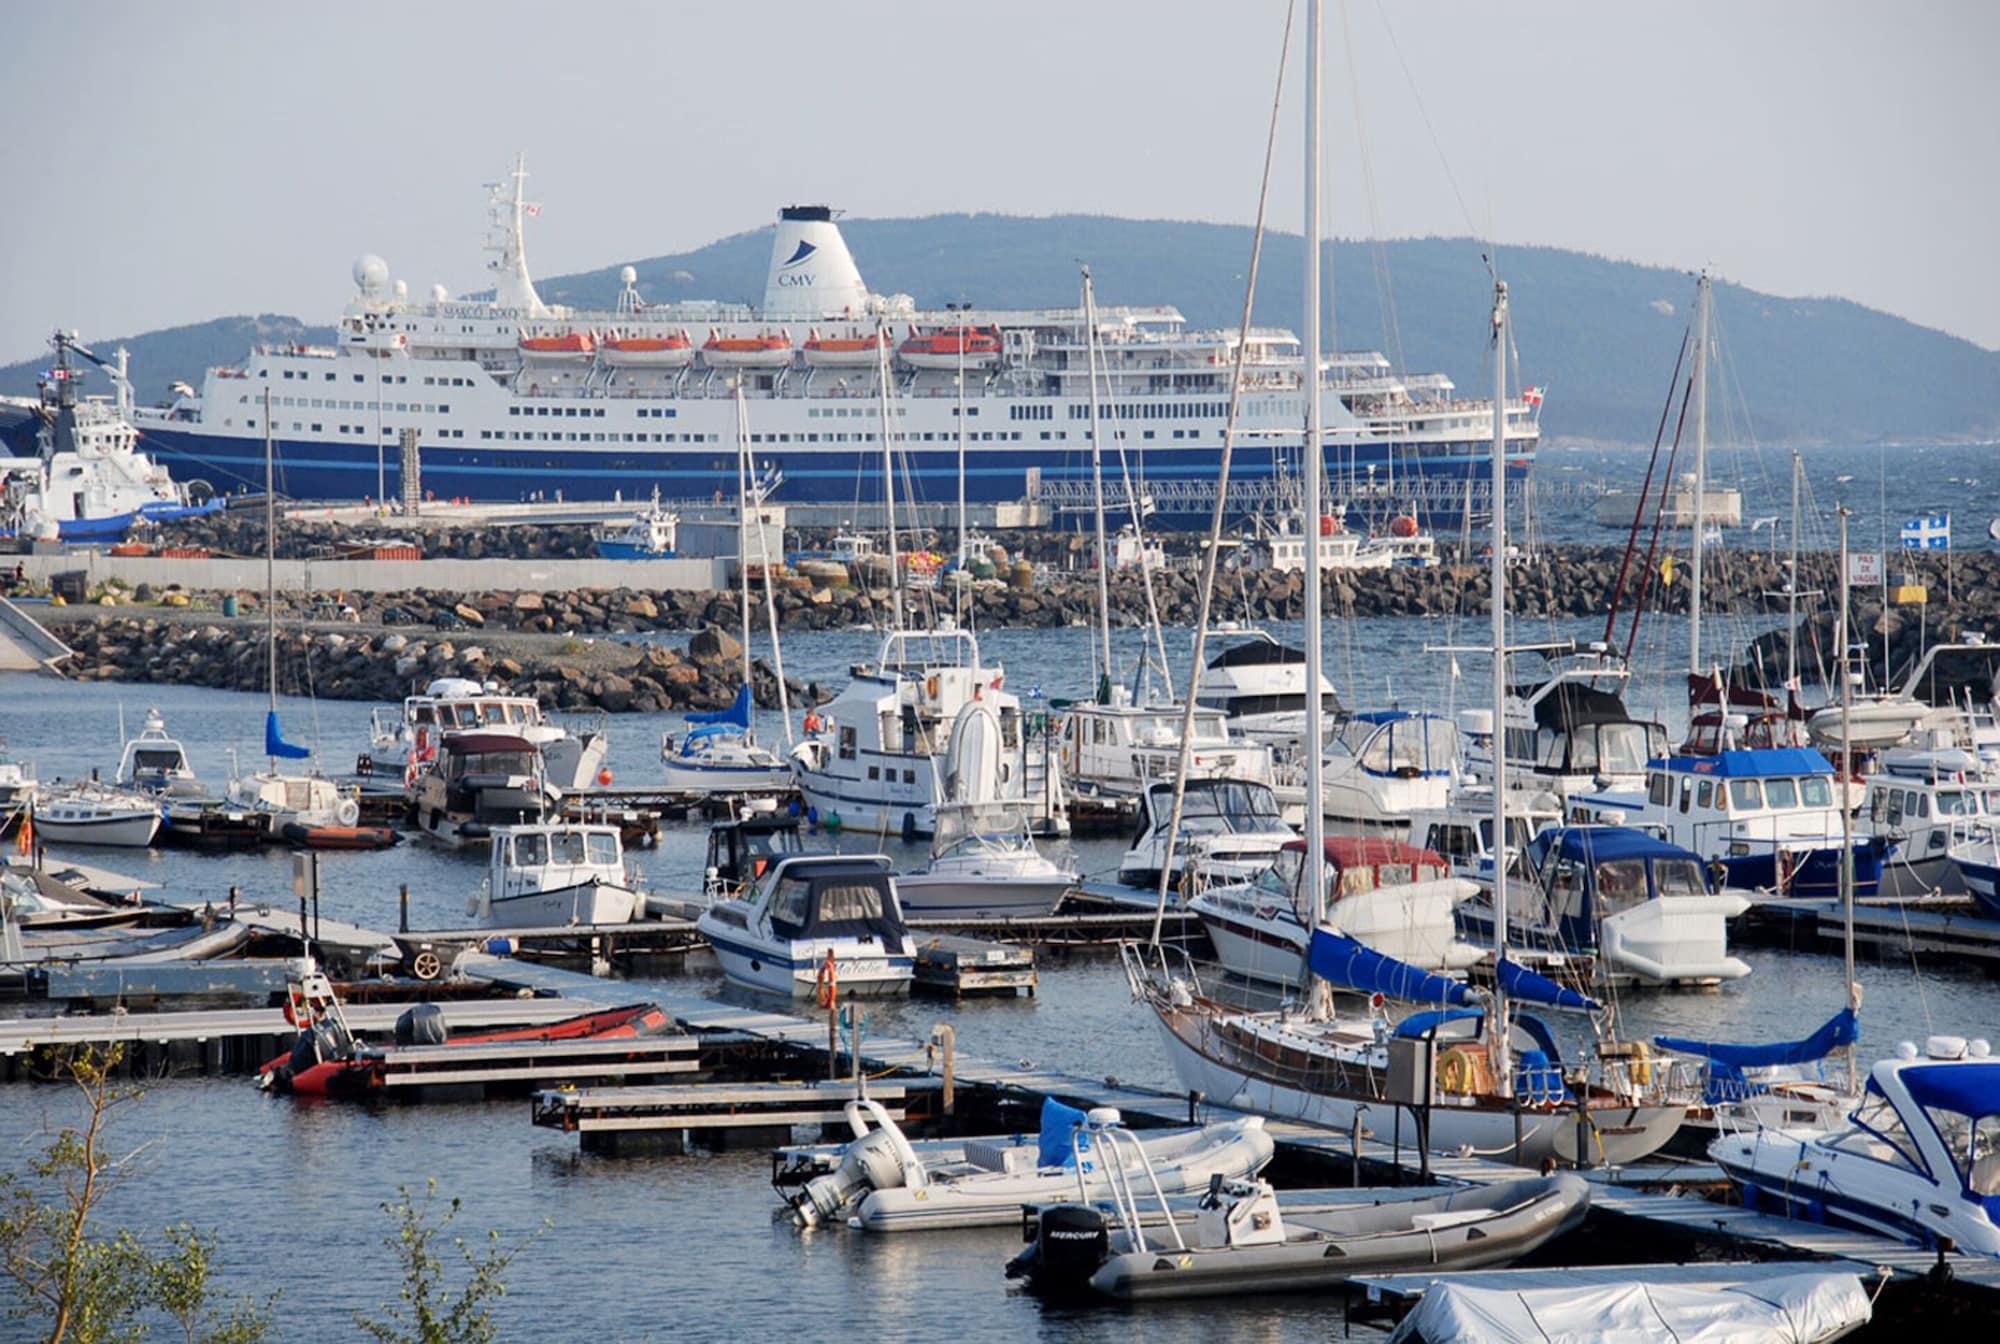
(386, 665)
(242, 534)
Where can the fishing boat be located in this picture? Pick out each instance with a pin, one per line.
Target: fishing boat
(1918, 1161)
(1393, 897)
(651, 536)
(478, 781)
(155, 763)
(548, 873)
(1383, 766)
(1921, 799)
(1802, 1308)
(97, 814)
(1230, 830)
(406, 740)
(814, 921)
(1244, 1243)
(880, 1182)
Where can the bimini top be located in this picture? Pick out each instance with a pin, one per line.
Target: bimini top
(1256, 653)
(1605, 844)
(1354, 851)
(1969, 1087)
(483, 744)
(1567, 705)
(1750, 763)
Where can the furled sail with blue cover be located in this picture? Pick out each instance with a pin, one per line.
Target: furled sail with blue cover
(1521, 983)
(1340, 960)
(1843, 1028)
(737, 715)
(275, 745)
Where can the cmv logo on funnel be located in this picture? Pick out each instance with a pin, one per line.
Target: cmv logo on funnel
(786, 274)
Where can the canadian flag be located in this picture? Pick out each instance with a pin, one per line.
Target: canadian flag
(1532, 396)
(531, 210)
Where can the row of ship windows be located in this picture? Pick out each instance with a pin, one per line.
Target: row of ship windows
(304, 374)
(985, 436)
(335, 404)
(388, 431)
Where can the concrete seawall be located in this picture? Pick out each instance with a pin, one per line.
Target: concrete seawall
(390, 576)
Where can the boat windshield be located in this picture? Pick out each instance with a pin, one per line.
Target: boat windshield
(1621, 884)
(1678, 877)
(1974, 1145)
(1227, 805)
(1281, 879)
(1420, 743)
(1615, 748)
(1006, 820)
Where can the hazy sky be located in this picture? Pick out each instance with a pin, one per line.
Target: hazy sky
(169, 163)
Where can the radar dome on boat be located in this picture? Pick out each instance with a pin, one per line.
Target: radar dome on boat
(402, 289)
(371, 274)
(628, 275)
(439, 293)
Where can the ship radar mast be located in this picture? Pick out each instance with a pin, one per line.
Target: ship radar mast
(506, 206)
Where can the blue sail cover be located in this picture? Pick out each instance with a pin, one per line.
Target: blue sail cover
(275, 745)
(1842, 1029)
(737, 715)
(1341, 960)
(1521, 983)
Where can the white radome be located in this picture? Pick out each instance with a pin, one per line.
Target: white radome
(371, 274)
(629, 276)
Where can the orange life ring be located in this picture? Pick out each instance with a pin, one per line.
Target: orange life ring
(826, 985)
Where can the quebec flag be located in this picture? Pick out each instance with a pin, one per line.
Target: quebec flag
(1931, 532)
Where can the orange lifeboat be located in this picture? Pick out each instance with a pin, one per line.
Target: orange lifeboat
(771, 350)
(949, 347)
(563, 347)
(667, 350)
(843, 352)
(1402, 525)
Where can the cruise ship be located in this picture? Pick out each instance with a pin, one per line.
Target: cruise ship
(513, 398)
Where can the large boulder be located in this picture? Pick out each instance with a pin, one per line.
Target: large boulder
(713, 644)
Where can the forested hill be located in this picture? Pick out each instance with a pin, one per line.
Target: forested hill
(1600, 335)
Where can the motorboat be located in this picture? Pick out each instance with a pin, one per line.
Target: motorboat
(984, 865)
(1462, 830)
(1281, 546)
(550, 873)
(328, 1060)
(1919, 1159)
(1801, 1308)
(1405, 543)
(1770, 818)
(97, 814)
(405, 741)
(1568, 732)
(1382, 766)
(296, 807)
(1977, 859)
(1245, 1243)
(1921, 799)
(815, 924)
(1259, 685)
(481, 780)
(1114, 750)
(1393, 897)
(880, 1182)
(717, 752)
(17, 783)
(742, 849)
(1642, 906)
(153, 762)
(652, 535)
(1230, 830)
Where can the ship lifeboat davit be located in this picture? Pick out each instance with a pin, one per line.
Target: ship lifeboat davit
(561, 347)
(951, 347)
(843, 352)
(772, 350)
(665, 350)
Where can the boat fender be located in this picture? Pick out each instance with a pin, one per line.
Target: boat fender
(931, 686)
(347, 812)
(909, 827)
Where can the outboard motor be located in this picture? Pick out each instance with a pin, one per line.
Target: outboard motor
(1071, 1243)
(871, 1162)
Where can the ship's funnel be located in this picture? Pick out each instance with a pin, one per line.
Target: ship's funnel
(812, 273)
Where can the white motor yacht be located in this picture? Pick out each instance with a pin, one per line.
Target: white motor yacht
(551, 873)
(1114, 751)
(96, 814)
(1231, 830)
(811, 921)
(984, 865)
(405, 741)
(1383, 766)
(155, 763)
(1259, 685)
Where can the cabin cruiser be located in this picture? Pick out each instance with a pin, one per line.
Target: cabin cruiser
(97, 814)
(544, 874)
(1259, 685)
(1396, 899)
(1642, 906)
(408, 740)
(1767, 817)
(1570, 732)
(984, 865)
(873, 760)
(881, 1181)
(815, 923)
(1922, 799)
(718, 753)
(1231, 830)
(1114, 751)
(1918, 1161)
(1383, 766)
(1462, 830)
(480, 780)
(743, 848)
(155, 763)
(1977, 860)
(17, 782)
(293, 805)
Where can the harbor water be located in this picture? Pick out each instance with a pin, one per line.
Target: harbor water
(686, 1247)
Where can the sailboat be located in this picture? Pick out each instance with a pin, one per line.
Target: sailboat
(301, 809)
(718, 751)
(1475, 1075)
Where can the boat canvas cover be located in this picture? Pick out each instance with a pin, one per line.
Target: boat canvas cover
(1569, 706)
(842, 900)
(275, 745)
(1532, 987)
(1341, 960)
(1968, 1088)
(1789, 1309)
(1750, 763)
(1842, 1029)
(1603, 844)
(736, 716)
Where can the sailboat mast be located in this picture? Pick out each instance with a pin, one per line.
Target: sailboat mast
(742, 518)
(1097, 484)
(889, 479)
(270, 555)
(1312, 875)
(1840, 785)
(961, 460)
(1701, 302)
(1792, 588)
(1503, 1068)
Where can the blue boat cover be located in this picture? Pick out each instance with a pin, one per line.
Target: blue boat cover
(1969, 1087)
(738, 713)
(1749, 763)
(1522, 983)
(275, 745)
(1605, 844)
(1842, 1029)
(1059, 1121)
(1340, 960)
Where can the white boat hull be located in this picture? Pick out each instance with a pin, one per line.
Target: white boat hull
(955, 895)
(123, 830)
(694, 777)
(793, 970)
(584, 903)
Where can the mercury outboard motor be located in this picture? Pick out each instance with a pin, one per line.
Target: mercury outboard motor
(1071, 1243)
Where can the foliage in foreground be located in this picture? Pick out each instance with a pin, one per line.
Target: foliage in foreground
(426, 1312)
